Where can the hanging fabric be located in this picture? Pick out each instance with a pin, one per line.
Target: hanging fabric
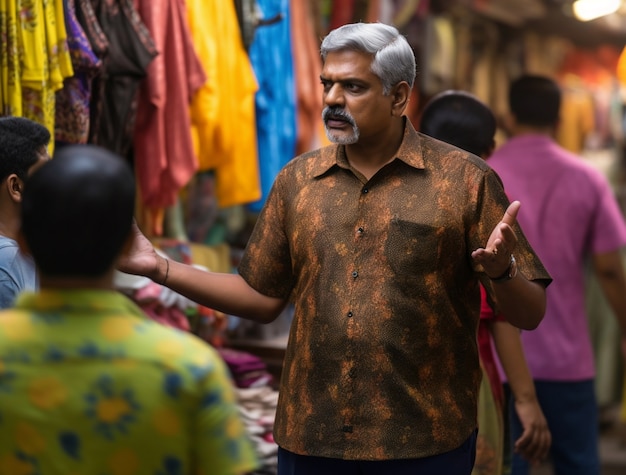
(222, 112)
(114, 99)
(307, 69)
(164, 156)
(272, 60)
(37, 59)
(72, 101)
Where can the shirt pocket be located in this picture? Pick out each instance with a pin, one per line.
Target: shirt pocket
(413, 247)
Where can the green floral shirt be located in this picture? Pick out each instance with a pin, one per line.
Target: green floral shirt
(89, 385)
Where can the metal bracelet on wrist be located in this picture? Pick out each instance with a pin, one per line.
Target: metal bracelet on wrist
(508, 274)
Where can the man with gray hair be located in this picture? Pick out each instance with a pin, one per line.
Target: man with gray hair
(380, 241)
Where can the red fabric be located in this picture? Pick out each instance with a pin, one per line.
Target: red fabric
(308, 67)
(342, 11)
(484, 346)
(165, 160)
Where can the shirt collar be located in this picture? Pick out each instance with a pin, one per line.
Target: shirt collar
(410, 152)
(88, 302)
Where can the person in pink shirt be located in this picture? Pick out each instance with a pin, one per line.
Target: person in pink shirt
(571, 217)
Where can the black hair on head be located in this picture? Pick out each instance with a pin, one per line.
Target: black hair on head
(460, 119)
(77, 211)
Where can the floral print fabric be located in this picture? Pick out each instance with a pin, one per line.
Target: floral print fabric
(35, 58)
(89, 385)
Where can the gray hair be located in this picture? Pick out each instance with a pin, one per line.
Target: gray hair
(393, 61)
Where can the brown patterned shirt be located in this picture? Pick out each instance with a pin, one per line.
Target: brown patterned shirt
(382, 359)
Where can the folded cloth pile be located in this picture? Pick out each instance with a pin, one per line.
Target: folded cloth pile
(247, 370)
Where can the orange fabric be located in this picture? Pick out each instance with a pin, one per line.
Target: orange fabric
(621, 67)
(308, 67)
(164, 157)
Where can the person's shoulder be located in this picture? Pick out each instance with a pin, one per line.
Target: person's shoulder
(8, 246)
(435, 149)
(581, 168)
(178, 348)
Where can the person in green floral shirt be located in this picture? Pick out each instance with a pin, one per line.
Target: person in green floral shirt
(88, 384)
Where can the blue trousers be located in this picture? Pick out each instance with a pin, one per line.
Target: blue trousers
(459, 461)
(572, 414)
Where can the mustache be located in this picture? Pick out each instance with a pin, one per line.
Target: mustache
(337, 113)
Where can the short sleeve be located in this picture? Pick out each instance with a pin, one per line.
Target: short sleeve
(609, 228)
(266, 263)
(8, 289)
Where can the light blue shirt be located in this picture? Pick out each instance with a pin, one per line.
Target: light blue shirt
(17, 272)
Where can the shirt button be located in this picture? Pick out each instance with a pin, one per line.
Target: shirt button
(347, 429)
(365, 190)
(360, 230)
(350, 314)
(355, 274)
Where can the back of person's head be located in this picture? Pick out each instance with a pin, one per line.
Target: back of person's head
(535, 100)
(393, 59)
(77, 212)
(22, 141)
(461, 119)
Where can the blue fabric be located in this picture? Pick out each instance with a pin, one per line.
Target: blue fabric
(459, 461)
(17, 272)
(572, 414)
(272, 60)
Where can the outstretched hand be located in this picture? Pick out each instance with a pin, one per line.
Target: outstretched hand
(141, 257)
(495, 257)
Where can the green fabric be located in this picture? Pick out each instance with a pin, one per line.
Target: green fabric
(89, 385)
(490, 441)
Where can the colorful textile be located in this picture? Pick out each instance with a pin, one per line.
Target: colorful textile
(222, 112)
(491, 436)
(165, 160)
(72, 101)
(88, 384)
(272, 59)
(37, 59)
(490, 441)
(130, 50)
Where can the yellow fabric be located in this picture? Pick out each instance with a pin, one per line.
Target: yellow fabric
(576, 115)
(214, 258)
(10, 85)
(223, 110)
(31, 80)
(621, 67)
(490, 441)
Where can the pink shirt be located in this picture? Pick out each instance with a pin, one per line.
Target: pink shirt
(568, 213)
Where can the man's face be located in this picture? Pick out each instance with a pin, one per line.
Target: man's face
(355, 107)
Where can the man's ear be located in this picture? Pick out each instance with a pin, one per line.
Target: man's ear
(15, 187)
(400, 98)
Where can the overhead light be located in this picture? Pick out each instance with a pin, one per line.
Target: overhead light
(586, 10)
